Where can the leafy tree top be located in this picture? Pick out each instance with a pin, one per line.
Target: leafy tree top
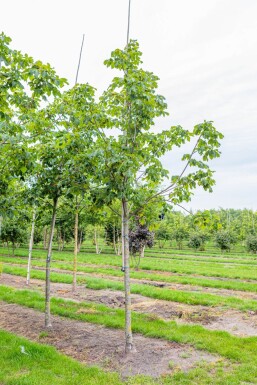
(132, 103)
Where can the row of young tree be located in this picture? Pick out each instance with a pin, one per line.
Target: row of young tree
(101, 226)
(70, 148)
(221, 228)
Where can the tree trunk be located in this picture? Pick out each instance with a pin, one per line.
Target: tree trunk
(119, 245)
(129, 346)
(114, 239)
(76, 227)
(31, 241)
(60, 242)
(1, 223)
(63, 241)
(80, 238)
(96, 240)
(122, 238)
(48, 261)
(45, 238)
(142, 252)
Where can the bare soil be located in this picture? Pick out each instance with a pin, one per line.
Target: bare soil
(232, 321)
(97, 345)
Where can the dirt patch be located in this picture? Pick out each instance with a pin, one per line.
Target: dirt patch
(97, 345)
(233, 321)
(107, 297)
(176, 311)
(236, 323)
(167, 310)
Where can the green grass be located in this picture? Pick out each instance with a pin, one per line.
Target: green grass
(205, 259)
(148, 276)
(43, 365)
(186, 280)
(211, 269)
(241, 369)
(243, 350)
(169, 247)
(207, 252)
(191, 298)
(151, 253)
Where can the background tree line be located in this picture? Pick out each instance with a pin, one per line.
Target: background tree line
(220, 229)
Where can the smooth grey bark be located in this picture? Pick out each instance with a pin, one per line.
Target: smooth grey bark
(1, 222)
(48, 262)
(116, 242)
(76, 228)
(45, 234)
(31, 241)
(129, 346)
(61, 241)
(119, 246)
(80, 238)
(122, 237)
(96, 240)
(141, 253)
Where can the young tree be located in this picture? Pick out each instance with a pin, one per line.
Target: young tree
(197, 240)
(77, 113)
(180, 234)
(225, 240)
(251, 243)
(163, 233)
(52, 180)
(24, 84)
(113, 226)
(14, 232)
(132, 104)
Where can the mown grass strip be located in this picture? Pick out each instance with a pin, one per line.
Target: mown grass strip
(190, 298)
(183, 267)
(151, 254)
(206, 259)
(242, 350)
(186, 280)
(43, 365)
(210, 250)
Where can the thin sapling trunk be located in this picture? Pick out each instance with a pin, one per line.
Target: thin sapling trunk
(96, 240)
(1, 223)
(48, 262)
(80, 240)
(129, 346)
(45, 233)
(76, 228)
(31, 241)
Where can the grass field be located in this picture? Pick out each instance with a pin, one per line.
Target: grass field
(215, 282)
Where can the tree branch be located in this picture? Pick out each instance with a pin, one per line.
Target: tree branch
(167, 189)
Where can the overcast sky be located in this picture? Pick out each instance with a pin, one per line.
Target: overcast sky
(205, 53)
